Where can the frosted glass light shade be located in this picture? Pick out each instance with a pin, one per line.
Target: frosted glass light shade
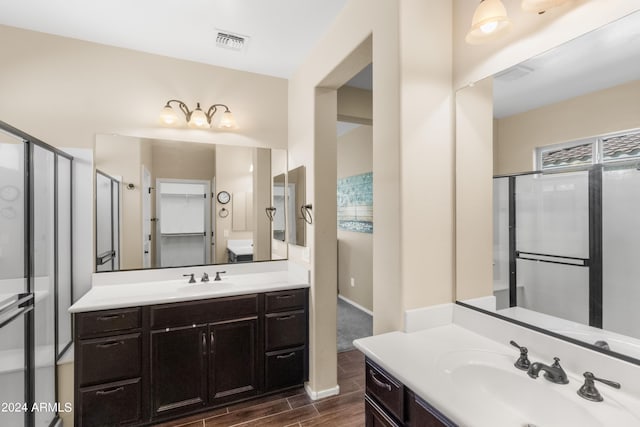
(198, 119)
(227, 121)
(490, 22)
(540, 6)
(168, 116)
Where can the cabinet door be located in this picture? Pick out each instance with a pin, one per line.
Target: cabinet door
(233, 364)
(178, 369)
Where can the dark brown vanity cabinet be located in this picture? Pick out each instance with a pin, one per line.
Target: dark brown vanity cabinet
(109, 371)
(389, 403)
(143, 365)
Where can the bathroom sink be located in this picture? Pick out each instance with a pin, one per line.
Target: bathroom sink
(538, 402)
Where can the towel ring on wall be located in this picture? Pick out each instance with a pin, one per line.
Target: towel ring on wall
(271, 212)
(224, 212)
(305, 211)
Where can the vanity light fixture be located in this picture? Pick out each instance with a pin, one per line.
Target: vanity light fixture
(490, 21)
(541, 6)
(197, 118)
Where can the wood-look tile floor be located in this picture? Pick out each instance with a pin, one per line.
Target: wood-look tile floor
(294, 408)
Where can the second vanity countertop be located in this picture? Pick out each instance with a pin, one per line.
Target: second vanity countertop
(106, 297)
(468, 377)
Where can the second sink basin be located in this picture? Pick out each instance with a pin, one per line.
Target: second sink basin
(530, 402)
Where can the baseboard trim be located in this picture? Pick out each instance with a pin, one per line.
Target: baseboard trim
(316, 395)
(356, 305)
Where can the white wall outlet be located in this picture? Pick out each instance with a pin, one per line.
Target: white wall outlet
(353, 282)
(226, 233)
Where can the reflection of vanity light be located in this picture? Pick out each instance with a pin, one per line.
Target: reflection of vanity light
(251, 167)
(490, 21)
(540, 6)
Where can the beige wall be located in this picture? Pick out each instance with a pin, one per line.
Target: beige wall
(355, 105)
(233, 176)
(261, 200)
(65, 91)
(610, 110)
(412, 109)
(355, 250)
(474, 186)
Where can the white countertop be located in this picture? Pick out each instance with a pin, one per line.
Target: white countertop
(158, 292)
(421, 361)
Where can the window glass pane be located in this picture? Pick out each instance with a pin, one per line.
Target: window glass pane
(621, 147)
(567, 157)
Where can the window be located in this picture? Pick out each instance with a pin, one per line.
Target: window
(604, 149)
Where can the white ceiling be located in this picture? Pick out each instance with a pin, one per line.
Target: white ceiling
(282, 32)
(603, 58)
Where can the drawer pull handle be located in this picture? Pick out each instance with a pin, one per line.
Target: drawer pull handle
(284, 296)
(110, 344)
(204, 343)
(378, 382)
(111, 317)
(286, 356)
(111, 391)
(291, 316)
(212, 340)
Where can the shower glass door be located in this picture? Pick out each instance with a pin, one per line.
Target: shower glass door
(552, 244)
(43, 284)
(620, 249)
(13, 282)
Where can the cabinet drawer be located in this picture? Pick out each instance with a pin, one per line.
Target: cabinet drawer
(385, 390)
(288, 329)
(285, 300)
(101, 322)
(198, 312)
(374, 416)
(284, 368)
(109, 359)
(108, 405)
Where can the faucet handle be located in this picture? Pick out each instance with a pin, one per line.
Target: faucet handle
(523, 362)
(589, 391)
(192, 279)
(205, 277)
(218, 273)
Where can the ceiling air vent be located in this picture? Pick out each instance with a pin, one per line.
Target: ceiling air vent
(231, 41)
(513, 73)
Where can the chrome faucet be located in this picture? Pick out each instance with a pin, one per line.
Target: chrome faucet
(553, 373)
(192, 279)
(218, 278)
(523, 361)
(589, 391)
(205, 277)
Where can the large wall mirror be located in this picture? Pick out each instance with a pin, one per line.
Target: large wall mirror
(176, 203)
(566, 189)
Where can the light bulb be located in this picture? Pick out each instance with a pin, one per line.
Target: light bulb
(168, 116)
(489, 27)
(227, 121)
(198, 118)
(489, 22)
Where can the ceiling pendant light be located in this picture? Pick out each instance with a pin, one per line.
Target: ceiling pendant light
(197, 118)
(540, 6)
(490, 21)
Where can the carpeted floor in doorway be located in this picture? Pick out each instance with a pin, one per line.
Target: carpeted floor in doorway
(352, 324)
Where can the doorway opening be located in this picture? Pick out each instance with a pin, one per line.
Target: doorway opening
(355, 210)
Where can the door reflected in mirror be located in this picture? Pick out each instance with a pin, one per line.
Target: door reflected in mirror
(565, 238)
(279, 204)
(168, 209)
